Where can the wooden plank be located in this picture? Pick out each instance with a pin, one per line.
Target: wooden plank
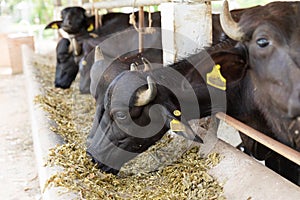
(15, 52)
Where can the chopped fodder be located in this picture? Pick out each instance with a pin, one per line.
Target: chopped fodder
(171, 169)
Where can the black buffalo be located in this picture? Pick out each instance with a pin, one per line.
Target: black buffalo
(114, 115)
(117, 45)
(262, 90)
(119, 53)
(102, 84)
(80, 27)
(87, 61)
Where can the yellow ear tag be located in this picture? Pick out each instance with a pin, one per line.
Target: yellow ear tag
(91, 27)
(177, 126)
(176, 113)
(54, 26)
(215, 78)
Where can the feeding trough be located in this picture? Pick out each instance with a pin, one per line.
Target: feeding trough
(241, 176)
(216, 171)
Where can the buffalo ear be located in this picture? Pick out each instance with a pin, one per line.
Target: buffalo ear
(90, 23)
(54, 25)
(183, 129)
(233, 64)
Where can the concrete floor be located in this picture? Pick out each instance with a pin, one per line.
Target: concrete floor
(18, 171)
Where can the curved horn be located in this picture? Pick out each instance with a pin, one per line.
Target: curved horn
(229, 26)
(147, 64)
(98, 54)
(133, 67)
(76, 46)
(145, 96)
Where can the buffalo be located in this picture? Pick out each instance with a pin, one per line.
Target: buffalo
(119, 53)
(102, 84)
(80, 27)
(87, 60)
(117, 45)
(255, 81)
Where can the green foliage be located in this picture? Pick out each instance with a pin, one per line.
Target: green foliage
(33, 11)
(11, 4)
(42, 11)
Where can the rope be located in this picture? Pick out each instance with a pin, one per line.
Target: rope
(147, 30)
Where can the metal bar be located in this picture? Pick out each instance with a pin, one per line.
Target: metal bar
(124, 3)
(141, 26)
(280, 148)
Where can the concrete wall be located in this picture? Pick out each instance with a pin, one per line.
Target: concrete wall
(186, 28)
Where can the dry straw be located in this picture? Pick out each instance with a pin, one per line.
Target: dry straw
(164, 171)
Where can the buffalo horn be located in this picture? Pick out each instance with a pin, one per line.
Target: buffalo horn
(147, 64)
(145, 96)
(98, 54)
(133, 67)
(229, 26)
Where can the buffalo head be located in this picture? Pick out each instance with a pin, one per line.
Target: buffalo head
(74, 21)
(132, 119)
(77, 25)
(271, 38)
(137, 108)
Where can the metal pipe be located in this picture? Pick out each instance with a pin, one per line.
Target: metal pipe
(124, 3)
(276, 146)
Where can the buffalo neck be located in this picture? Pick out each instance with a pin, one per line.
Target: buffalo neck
(187, 79)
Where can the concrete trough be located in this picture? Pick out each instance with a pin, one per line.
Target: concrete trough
(242, 176)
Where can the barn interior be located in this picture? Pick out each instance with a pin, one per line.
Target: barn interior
(43, 129)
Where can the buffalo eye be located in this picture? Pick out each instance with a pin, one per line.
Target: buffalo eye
(120, 115)
(262, 42)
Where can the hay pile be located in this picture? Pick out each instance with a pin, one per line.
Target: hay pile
(171, 169)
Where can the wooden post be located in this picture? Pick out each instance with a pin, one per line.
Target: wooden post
(15, 41)
(276, 146)
(96, 19)
(141, 26)
(57, 3)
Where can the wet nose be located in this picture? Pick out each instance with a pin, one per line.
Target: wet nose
(294, 103)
